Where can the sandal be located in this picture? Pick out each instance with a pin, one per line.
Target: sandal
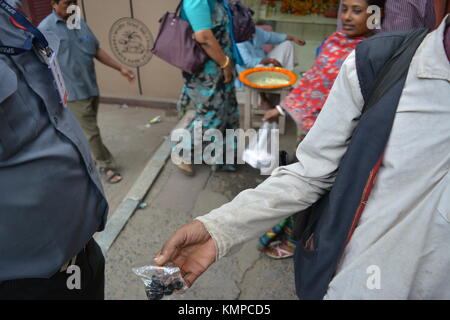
(278, 251)
(111, 175)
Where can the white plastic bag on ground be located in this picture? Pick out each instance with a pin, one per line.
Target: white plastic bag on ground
(263, 153)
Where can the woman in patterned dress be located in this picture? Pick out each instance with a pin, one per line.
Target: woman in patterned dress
(211, 90)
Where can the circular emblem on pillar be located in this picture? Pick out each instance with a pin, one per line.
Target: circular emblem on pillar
(131, 42)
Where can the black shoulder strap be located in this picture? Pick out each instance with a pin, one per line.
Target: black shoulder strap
(378, 71)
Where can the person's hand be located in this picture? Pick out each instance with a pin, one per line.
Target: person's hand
(273, 61)
(190, 248)
(228, 73)
(272, 114)
(296, 40)
(129, 74)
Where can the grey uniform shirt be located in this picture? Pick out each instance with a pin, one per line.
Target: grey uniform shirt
(51, 198)
(77, 51)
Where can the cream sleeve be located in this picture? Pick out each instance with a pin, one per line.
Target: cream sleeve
(295, 187)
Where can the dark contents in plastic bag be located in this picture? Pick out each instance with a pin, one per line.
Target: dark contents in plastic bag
(161, 281)
(157, 290)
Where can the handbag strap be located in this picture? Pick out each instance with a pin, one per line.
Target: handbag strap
(178, 10)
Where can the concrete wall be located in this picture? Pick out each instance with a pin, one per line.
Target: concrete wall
(157, 80)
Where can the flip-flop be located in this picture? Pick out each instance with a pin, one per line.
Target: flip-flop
(110, 178)
(279, 254)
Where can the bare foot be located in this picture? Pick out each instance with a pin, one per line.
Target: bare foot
(265, 104)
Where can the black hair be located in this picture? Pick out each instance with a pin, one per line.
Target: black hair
(380, 3)
(56, 1)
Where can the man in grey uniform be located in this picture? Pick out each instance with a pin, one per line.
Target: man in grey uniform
(51, 198)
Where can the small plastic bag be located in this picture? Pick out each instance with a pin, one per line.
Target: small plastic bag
(161, 282)
(264, 154)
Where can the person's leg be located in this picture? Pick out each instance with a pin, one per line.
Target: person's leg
(265, 101)
(288, 234)
(272, 235)
(183, 162)
(285, 54)
(278, 243)
(216, 109)
(86, 112)
(81, 280)
(232, 120)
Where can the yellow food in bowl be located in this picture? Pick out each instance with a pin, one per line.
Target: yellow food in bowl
(268, 79)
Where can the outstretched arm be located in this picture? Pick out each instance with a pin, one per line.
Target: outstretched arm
(290, 189)
(296, 187)
(107, 60)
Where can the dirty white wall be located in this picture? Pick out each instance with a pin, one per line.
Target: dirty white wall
(157, 79)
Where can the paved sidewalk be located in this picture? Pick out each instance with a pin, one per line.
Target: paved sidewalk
(174, 200)
(132, 142)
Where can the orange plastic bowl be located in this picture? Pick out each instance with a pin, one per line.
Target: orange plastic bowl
(268, 78)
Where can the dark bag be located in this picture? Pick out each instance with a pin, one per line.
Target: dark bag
(323, 230)
(243, 24)
(176, 45)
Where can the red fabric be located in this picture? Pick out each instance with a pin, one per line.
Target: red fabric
(14, 22)
(365, 197)
(307, 99)
(440, 8)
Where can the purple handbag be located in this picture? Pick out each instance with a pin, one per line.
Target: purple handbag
(176, 45)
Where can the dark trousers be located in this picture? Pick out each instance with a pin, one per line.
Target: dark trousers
(91, 264)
